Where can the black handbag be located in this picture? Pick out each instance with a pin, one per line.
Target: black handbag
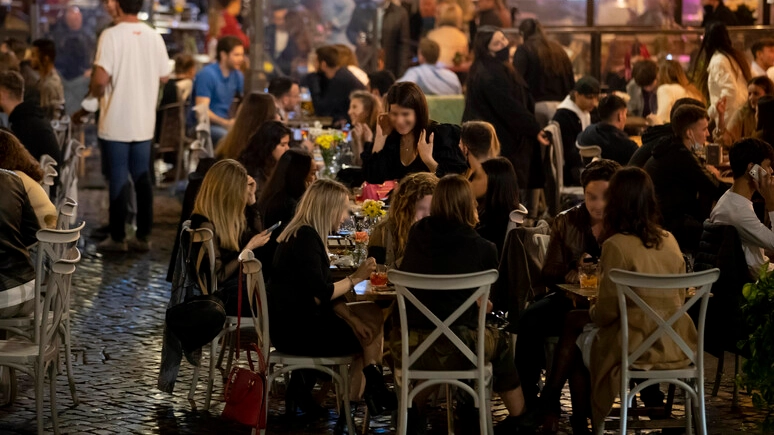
(200, 318)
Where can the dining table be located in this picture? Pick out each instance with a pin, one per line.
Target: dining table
(580, 296)
(364, 291)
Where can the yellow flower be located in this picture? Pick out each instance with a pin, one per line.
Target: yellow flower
(373, 209)
(325, 141)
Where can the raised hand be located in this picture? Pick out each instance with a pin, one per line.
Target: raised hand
(425, 150)
(383, 129)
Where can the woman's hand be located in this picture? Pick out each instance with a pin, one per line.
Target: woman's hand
(364, 271)
(383, 129)
(721, 105)
(425, 150)
(542, 138)
(362, 133)
(258, 240)
(364, 332)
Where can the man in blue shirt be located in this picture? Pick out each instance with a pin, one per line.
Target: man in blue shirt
(217, 84)
(431, 77)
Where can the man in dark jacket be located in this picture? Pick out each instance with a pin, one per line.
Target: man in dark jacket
(716, 10)
(608, 134)
(574, 116)
(685, 187)
(655, 134)
(384, 23)
(26, 120)
(331, 85)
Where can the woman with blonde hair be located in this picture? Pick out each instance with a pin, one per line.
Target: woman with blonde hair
(449, 35)
(308, 312)
(673, 85)
(220, 207)
(256, 109)
(410, 202)
(14, 157)
(364, 110)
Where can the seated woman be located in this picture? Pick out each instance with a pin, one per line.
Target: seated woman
(633, 241)
(18, 225)
(673, 85)
(220, 204)
(744, 122)
(409, 203)
(308, 313)
(14, 157)
(500, 198)
(256, 109)
(364, 109)
(264, 150)
(479, 143)
(295, 172)
(447, 243)
(406, 141)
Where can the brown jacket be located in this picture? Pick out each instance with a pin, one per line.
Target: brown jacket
(628, 253)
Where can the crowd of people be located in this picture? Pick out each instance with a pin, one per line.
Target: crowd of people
(460, 186)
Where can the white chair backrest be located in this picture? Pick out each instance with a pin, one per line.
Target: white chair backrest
(205, 237)
(66, 213)
(253, 271)
(556, 153)
(542, 241)
(406, 282)
(627, 281)
(589, 151)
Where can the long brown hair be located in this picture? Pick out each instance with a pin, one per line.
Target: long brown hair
(671, 72)
(717, 40)
(632, 208)
(14, 157)
(256, 109)
(222, 199)
(410, 96)
(553, 58)
(411, 189)
(371, 105)
(453, 200)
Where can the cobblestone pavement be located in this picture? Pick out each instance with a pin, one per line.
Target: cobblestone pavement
(118, 307)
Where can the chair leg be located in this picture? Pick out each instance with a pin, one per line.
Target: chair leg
(688, 415)
(69, 363)
(624, 413)
(211, 376)
(735, 397)
(449, 413)
(403, 407)
(231, 347)
(194, 381)
(344, 371)
(483, 408)
(223, 347)
(52, 382)
(366, 422)
(718, 374)
(40, 379)
(701, 409)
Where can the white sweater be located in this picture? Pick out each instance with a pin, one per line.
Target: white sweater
(734, 209)
(725, 80)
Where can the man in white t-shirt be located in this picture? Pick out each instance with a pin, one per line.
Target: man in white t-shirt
(130, 64)
(735, 207)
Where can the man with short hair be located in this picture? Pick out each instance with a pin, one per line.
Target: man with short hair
(685, 187)
(642, 88)
(25, 119)
(218, 83)
(287, 93)
(763, 57)
(130, 65)
(608, 134)
(735, 207)
(50, 84)
(573, 116)
(331, 85)
(431, 77)
(657, 133)
(75, 51)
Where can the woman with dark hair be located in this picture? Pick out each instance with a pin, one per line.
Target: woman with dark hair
(744, 122)
(264, 150)
(406, 141)
(15, 158)
(498, 94)
(256, 109)
(446, 243)
(546, 67)
(589, 349)
(295, 171)
(721, 71)
(499, 200)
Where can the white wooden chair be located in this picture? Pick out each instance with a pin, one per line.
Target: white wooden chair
(481, 373)
(556, 160)
(48, 164)
(67, 214)
(38, 357)
(690, 379)
(590, 152)
(72, 156)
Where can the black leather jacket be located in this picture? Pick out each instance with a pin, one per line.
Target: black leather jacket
(18, 225)
(571, 237)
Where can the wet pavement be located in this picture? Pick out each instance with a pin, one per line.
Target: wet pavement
(118, 309)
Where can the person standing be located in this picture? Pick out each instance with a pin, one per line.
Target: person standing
(217, 84)
(717, 11)
(130, 65)
(50, 84)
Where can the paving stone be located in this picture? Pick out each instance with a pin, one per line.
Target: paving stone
(117, 315)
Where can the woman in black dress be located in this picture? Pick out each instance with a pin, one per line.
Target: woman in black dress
(308, 313)
(498, 94)
(406, 141)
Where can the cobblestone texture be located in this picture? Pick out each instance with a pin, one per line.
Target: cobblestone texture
(118, 307)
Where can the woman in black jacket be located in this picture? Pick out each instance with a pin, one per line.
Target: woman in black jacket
(497, 93)
(406, 141)
(500, 199)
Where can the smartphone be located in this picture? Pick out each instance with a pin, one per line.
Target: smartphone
(274, 227)
(757, 173)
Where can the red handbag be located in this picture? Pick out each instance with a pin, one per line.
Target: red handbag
(245, 389)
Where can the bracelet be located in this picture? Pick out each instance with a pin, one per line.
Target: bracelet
(351, 283)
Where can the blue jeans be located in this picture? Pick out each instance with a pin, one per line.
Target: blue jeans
(124, 159)
(217, 132)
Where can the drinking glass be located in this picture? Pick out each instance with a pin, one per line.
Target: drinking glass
(589, 275)
(379, 276)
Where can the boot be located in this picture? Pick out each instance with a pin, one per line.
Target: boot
(378, 398)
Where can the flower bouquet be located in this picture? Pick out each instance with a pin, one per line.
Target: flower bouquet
(328, 143)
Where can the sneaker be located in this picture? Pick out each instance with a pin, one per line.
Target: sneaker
(110, 245)
(139, 245)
